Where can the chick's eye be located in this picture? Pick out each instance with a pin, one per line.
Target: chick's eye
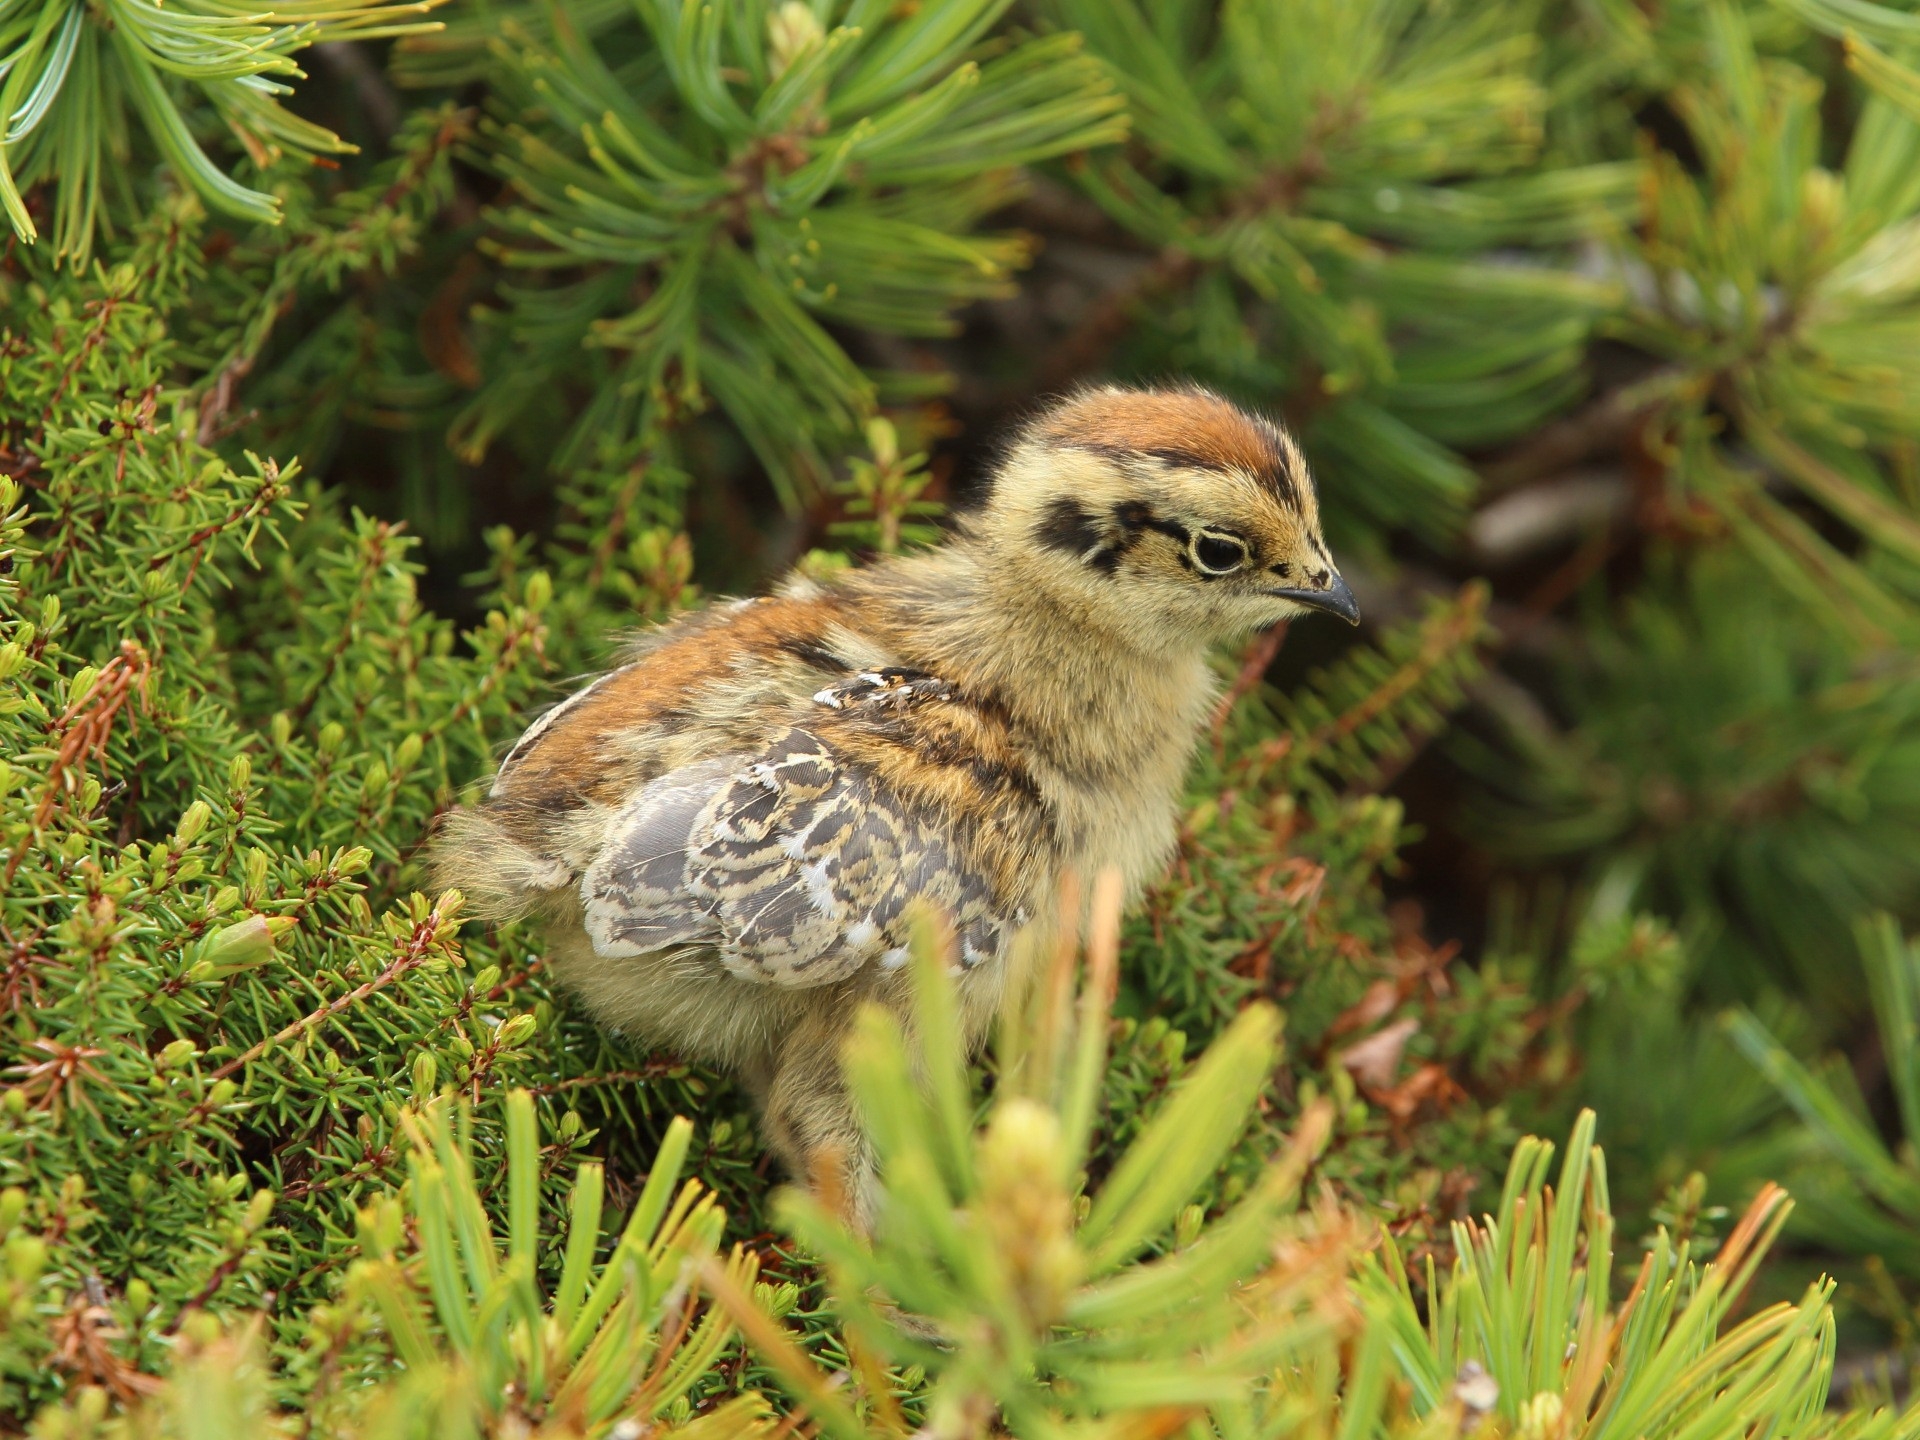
(1215, 554)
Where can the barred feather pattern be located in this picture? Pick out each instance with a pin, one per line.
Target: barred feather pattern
(794, 866)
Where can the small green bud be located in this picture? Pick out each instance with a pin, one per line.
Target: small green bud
(352, 862)
(81, 684)
(376, 780)
(793, 32)
(15, 1100)
(539, 591)
(426, 1070)
(1187, 1226)
(240, 946)
(157, 584)
(240, 773)
(49, 613)
(331, 737)
(139, 1296)
(26, 1258)
(259, 1208)
(221, 1095)
(13, 658)
(407, 753)
(281, 728)
(883, 440)
(13, 1204)
(485, 979)
(570, 1125)
(461, 1046)
(776, 1300)
(225, 899)
(177, 1053)
(517, 1031)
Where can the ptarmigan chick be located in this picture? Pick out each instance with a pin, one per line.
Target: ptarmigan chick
(724, 835)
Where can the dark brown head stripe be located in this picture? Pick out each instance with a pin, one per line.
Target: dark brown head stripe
(1181, 427)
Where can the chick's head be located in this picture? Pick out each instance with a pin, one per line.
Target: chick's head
(1168, 516)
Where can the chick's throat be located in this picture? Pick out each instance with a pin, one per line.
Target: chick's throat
(1108, 725)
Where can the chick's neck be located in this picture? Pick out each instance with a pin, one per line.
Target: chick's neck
(1089, 695)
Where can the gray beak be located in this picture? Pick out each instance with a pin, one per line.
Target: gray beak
(1336, 599)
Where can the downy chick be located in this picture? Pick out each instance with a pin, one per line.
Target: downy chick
(723, 835)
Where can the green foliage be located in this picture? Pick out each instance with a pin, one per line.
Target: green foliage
(1527, 1307)
(1783, 294)
(635, 303)
(1861, 1196)
(693, 213)
(614, 1341)
(1734, 769)
(70, 72)
(1320, 182)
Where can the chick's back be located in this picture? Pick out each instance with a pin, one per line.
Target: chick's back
(892, 785)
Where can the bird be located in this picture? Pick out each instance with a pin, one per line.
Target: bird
(726, 835)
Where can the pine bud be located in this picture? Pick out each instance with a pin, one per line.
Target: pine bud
(240, 946)
(426, 1071)
(1027, 1209)
(538, 592)
(1187, 1226)
(883, 440)
(26, 1258)
(792, 32)
(13, 658)
(192, 823)
(177, 1053)
(407, 754)
(259, 1208)
(139, 1296)
(517, 1031)
(239, 773)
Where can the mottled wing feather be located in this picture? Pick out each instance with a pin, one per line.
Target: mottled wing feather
(796, 868)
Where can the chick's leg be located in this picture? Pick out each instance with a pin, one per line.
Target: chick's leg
(809, 1117)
